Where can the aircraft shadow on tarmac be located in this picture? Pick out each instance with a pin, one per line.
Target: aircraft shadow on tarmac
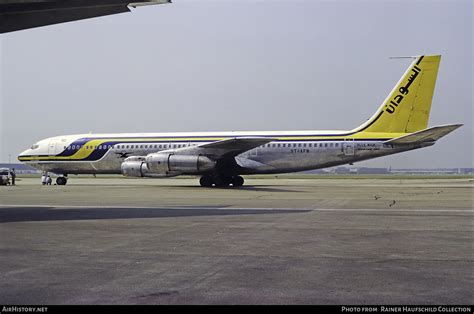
(259, 188)
(24, 214)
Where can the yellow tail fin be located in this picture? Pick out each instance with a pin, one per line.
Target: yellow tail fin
(407, 107)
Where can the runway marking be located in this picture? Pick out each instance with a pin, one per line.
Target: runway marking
(153, 207)
(393, 210)
(241, 208)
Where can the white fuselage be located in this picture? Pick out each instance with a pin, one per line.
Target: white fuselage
(290, 151)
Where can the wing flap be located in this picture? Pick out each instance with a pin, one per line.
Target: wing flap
(428, 135)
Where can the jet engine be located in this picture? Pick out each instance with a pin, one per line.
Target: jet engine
(136, 167)
(172, 163)
(166, 165)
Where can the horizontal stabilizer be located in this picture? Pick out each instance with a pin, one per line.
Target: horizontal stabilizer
(428, 135)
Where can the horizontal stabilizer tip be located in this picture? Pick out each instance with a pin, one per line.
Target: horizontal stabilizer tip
(428, 135)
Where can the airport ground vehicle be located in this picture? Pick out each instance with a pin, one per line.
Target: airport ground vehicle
(5, 176)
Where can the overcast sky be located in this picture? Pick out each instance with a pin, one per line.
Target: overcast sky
(237, 65)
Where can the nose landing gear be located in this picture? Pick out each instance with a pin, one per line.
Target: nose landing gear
(218, 181)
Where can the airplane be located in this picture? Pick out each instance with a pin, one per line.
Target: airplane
(17, 15)
(221, 158)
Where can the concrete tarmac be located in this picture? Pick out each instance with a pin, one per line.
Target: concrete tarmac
(274, 241)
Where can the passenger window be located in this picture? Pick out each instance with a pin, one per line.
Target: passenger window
(304, 145)
(159, 146)
(330, 145)
(337, 144)
(325, 144)
(278, 145)
(299, 145)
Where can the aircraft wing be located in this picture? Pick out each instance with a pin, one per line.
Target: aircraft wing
(225, 148)
(425, 136)
(23, 14)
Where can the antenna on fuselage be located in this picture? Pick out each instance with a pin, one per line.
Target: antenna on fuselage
(403, 57)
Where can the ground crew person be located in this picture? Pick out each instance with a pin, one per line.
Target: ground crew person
(13, 174)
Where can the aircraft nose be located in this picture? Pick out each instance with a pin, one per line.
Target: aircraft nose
(23, 154)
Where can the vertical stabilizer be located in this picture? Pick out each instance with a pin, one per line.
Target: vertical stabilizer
(407, 107)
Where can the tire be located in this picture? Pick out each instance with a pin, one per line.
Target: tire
(237, 181)
(61, 181)
(206, 181)
(222, 181)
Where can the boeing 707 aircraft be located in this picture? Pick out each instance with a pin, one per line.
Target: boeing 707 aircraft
(16, 15)
(399, 125)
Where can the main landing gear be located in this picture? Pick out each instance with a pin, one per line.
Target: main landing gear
(217, 181)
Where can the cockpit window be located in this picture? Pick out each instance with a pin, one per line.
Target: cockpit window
(35, 146)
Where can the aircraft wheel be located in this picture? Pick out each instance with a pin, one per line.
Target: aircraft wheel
(61, 181)
(237, 181)
(222, 181)
(206, 181)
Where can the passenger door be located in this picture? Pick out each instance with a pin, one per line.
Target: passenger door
(52, 148)
(349, 148)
